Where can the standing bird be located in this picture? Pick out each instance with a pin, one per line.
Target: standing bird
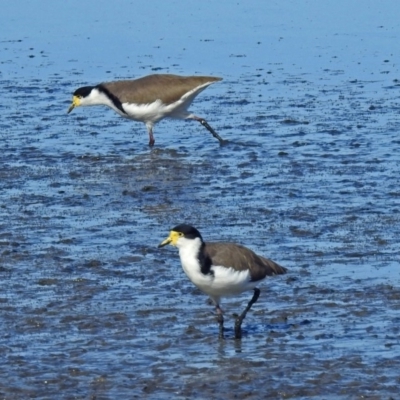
(221, 269)
(149, 99)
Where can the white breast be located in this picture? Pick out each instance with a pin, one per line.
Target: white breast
(188, 250)
(221, 282)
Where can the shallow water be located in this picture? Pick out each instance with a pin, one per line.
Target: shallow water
(90, 308)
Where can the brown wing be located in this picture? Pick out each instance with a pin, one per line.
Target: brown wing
(167, 88)
(240, 258)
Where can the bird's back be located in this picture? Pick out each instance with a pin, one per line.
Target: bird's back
(164, 87)
(241, 258)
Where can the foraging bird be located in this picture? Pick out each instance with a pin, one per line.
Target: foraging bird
(149, 99)
(221, 269)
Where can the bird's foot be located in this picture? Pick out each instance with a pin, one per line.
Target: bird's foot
(238, 328)
(211, 130)
(242, 316)
(151, 136)
(220, 320)
(221, 335)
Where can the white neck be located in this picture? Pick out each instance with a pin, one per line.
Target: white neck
(188, 253)
(97, 98)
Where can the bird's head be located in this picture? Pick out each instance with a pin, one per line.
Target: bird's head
(80, 97)
(180, 235)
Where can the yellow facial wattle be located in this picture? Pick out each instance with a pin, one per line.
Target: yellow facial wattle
(76, 101)
(171, 239)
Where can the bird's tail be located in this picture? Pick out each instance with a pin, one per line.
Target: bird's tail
(274, 268)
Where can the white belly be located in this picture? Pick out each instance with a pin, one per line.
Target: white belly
(222, 282)
(155, 111)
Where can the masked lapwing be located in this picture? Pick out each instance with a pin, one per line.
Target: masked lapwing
(149, 99)
(221, 269)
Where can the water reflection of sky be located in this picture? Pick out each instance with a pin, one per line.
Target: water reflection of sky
(310, 103)
(131, 37)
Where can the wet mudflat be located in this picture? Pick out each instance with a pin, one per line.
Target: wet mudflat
(91, 309)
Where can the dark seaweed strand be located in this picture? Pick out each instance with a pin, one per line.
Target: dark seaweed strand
(113, 98)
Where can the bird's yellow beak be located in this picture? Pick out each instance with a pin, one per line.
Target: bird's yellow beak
(76, 101)
(171, 239)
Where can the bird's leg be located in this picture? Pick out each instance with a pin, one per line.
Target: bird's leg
(211, 130)
(220, 320)
(241, 317)
(151, 137)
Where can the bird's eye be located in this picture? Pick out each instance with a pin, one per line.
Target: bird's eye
(180, 234)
